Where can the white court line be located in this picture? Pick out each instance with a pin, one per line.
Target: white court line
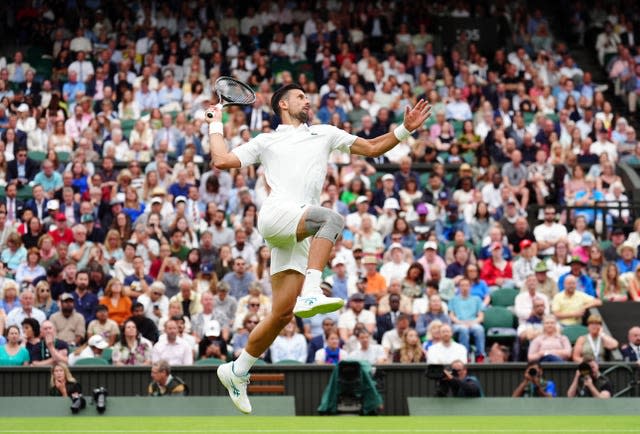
(418, 430)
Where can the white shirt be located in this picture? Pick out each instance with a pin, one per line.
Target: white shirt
(439, 354)
(16, 316)
(391, 270)
(551, 233)
(348, 319)
(295, 160)
(524, 304)
(372, 354)
(177, 353)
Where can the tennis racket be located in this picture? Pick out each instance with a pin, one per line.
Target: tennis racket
(233, 92)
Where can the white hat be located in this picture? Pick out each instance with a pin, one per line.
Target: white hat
(53, 204)
(98, 341)
(337, 260)
(23, 108)
(212, 329)
(430, 245)
(362, 199)
(180, 198)
(395, 246)
(388, 177)
(391, 203)
(156, 200)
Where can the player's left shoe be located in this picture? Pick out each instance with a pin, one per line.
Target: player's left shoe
(314, 304)
(236, 385)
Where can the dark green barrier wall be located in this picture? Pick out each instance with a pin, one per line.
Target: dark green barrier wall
(306, 383)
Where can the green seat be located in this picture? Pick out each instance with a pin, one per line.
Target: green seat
(37, 155)
(373, 178)
(573, 332)
(213, 361)
(92, 361)
(504, 297)
(63, 156)
(260, 362)
(424, 179)
(288, 362)
(499, 324)
(106, 354)
(528, 117)
(457, 127)
(127, 126)
(553, 116)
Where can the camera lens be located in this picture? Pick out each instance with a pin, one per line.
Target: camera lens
(533, 372)
(210, 115)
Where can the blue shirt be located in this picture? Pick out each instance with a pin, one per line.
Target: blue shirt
(625, 267)
(239, 285)
(49, 183)
(584, 284)
(466, 309)
(176, 190)
(70, 89)
(86, 305)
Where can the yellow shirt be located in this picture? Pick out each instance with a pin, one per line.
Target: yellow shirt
(562, 304)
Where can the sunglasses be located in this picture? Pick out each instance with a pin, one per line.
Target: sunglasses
(252, 322)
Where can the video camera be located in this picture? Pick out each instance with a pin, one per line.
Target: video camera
(77, 403)
(436, 372)
(100, 399)
(533, 372)
(585, 369)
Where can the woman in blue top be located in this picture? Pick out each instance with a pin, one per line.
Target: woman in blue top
(132, 205)
(15, 253)
(10, 299)
(479, 287)
(11, 353)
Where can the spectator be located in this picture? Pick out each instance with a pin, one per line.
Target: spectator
(583, 281)
(331, 353)
(174, 350)
(549, 232)
(446, 351)
(165, 384)
(146, 326)
(43, 299)
(631, 350)
(289, 345)
(85, 301)
(410, 350)
(92, 349)
(103, 326)
(12, 353)
(239, 279)
(525, 301)
(49, 351)
(118, 304)
(69, 323)
(25, 310)
(550, 346)
(595, 343)
(466, 315)
(62, 383)
(355, 313)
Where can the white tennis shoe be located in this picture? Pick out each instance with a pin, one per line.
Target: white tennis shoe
(314, 304)
(236, 385)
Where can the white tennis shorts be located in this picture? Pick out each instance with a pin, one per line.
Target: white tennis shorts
(277, 222)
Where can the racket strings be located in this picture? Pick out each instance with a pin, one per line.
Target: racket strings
(235, 92)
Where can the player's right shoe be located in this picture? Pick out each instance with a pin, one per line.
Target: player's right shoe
(236, 385)
(314, 304)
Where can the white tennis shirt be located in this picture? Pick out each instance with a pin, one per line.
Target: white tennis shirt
(295, 159)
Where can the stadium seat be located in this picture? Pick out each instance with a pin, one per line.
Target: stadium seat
(504, 297)
(127, 126)
(106, 354)
(212, 361)
(37, 155)
(92, 361)
(499, 324)
(63, 156)
(288, 362)
(573, 332)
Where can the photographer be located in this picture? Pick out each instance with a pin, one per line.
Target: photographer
(588, 383)
(534, 385)
(456, 381)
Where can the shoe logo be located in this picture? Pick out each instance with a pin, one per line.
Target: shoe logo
(310, 301)
(235, 390)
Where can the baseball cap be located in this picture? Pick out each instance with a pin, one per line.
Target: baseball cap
(332, 95)
(23, 107)
(465, 166)
(587, 239)
(617, 231)
(388, 177)
(422, 209)
(98, 341)
(61, 217)
(357, 296)
(155, 200)
(180, 199)
(212, 329)
(206, 268)
(452, 207)
(430, 245)
(370, 259)
(391, 203)
(66, 296)
(443, 195)
(362, 199)
(395, 246)
(337, 261)
(53, 204)
(525, 243)
(223, 286)
(86, 218)
(158, 191)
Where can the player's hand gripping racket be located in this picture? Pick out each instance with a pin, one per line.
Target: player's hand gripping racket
(232, 92)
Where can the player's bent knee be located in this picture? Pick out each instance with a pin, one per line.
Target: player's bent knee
(324, 223)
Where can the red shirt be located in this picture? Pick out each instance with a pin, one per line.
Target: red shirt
(490, 272)
(66, 236)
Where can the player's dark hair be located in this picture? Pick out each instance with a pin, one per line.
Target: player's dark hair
(281, 93)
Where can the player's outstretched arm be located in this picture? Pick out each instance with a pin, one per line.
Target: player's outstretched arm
(221, 158)
(414, 117)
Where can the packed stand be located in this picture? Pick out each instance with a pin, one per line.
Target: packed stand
(120, 241)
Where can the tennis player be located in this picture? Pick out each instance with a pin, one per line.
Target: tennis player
(299, 231)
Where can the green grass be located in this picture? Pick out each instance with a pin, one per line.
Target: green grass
(319, 425)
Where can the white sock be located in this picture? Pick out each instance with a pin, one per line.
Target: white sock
(243, 363)
(312, 281)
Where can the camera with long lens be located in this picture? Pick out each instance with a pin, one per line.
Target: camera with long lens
(77, 403)
(585, 369)
(100, 399)
(533, 372)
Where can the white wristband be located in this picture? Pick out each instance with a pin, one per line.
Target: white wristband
(401, 132)
(216, 128)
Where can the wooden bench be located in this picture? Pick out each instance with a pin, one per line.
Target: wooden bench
(266, 384)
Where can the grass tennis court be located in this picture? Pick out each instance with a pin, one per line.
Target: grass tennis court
(318, 425)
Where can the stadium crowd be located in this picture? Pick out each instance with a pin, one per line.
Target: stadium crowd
(119, 238)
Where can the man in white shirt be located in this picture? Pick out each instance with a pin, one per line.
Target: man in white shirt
(175, 350)
(26, 310)
(524, 301)
(446, 351)
(82, 67)
(549, 232)
(397, 267)
(369, 350)
(458, 109)
(602, 144)
(301, 233)
(362, 208)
